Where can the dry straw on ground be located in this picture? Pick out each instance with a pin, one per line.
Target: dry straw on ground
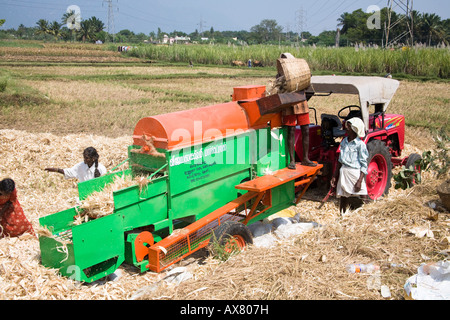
(101, 203)
(310, 266)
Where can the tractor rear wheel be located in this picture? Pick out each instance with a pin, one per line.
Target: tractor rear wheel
(379, 173)
(231, 236)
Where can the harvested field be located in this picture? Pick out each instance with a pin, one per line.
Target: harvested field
(48, 115)
(62, 53)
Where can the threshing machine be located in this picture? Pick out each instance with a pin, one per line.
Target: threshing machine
(212, 171)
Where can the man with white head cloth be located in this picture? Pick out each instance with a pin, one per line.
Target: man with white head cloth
(351, 168)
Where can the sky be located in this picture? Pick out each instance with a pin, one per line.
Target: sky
(190, 15)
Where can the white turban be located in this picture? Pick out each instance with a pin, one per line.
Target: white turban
(287, 55)
(357, 125)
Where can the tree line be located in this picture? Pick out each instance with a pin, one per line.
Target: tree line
(88, 30)
(428, 28)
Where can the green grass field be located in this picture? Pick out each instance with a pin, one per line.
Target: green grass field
(425, 63)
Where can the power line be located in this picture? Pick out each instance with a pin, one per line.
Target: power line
(156, 20)
(147, 14)
(343, 9)
(40, 5)
(319, 10)
(329, 15)
(311, 7)
(26, 6)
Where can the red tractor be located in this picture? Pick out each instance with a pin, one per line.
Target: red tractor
(385, 133)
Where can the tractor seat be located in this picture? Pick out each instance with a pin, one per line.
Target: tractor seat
(331, 124)
(338, 132)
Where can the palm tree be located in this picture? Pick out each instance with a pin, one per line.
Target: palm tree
(432, 27)
(72, 19)
(89, 28)
(353, 20)
(446, 27)
(43, 27)
(416, 19)
(55, 29)
(97, 24)
(345, 21)
(84, 31)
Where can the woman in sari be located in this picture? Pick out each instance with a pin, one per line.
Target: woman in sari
(13, 221)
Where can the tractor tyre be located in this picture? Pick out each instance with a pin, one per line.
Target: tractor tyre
(413, 157)
(232, 236)
(379, 173)
(411, 162)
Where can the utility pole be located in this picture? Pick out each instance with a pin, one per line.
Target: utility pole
(288, 31)
(110, 19)
(300, 23)
(405, 9)
(200, 26)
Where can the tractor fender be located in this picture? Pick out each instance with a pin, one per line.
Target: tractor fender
(379, 173)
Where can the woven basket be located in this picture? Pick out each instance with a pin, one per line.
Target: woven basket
(296, 72)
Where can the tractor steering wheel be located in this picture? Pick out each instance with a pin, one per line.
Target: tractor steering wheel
(351, 113)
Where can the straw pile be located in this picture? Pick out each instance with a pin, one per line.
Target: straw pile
(402, 228)
(101, 203)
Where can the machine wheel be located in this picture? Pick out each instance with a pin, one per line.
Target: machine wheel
(232, 236)
(141, 244)
(413, 157)
(379, 173)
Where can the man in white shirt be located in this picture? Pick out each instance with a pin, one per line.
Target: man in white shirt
(83, 172)
(88, 169)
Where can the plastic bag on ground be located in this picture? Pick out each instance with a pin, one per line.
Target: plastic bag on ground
(265, 241)
(281, 226)
(260, 228)
(287, 231)
(432, 282)
(178, 275)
